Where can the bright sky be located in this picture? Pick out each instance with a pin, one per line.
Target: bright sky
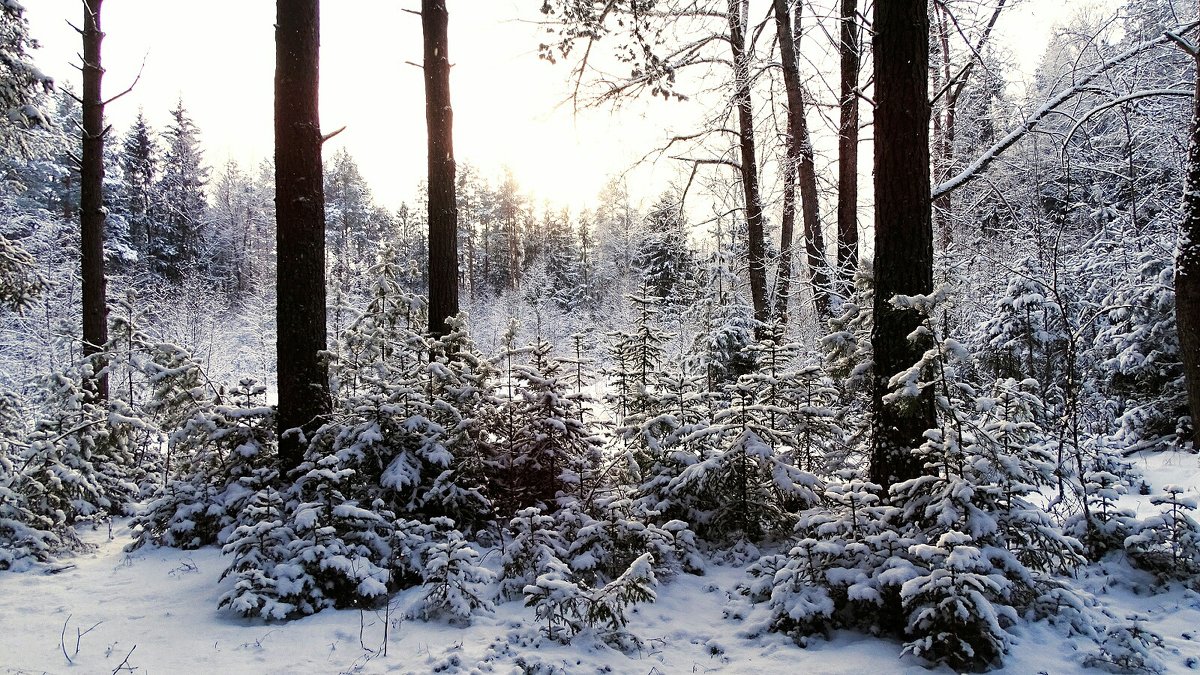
(219, 56)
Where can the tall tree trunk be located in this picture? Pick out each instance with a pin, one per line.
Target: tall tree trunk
(847, 206)
(91, 204)
(749, 161)
(943, 127)
(799, 165)
(903, 229)
(1187, 272)
(443, 208)
(300, 229)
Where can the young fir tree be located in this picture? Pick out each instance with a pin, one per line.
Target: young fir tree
(459, 385)
(218, 457)
(664, 258)
(1168, 544)
(455, 584)
(749, 488)
(972, 509)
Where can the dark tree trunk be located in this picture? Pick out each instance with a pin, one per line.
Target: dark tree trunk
(847, 207)
(443, 208)
(1187, 273)
(903, 229)
(799, 165)
(91, 204)
(749, 162)
(300, 229)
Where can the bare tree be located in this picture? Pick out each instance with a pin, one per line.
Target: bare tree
(847, 184)
(742, 102)
(443, 206)
(800, 172)
(649, 44)
(300, 230)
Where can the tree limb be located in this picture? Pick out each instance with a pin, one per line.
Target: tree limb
(984, 160)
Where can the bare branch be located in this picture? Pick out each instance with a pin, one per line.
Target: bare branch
(133, 84)
(955, 84)
(331, 134)
(713, 160)
(1145, 93)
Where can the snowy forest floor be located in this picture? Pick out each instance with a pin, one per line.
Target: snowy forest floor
(161, 604)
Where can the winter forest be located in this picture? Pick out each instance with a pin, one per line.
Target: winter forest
(893, 364)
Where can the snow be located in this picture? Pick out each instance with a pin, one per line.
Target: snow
(163, 601)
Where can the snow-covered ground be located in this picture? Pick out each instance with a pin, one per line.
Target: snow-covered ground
(154, 611)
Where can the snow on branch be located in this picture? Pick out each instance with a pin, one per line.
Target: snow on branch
(1080, 86)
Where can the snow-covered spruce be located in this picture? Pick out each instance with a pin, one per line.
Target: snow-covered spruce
(1168, 544)
(455, 585)
(568, 607)
(1129, 648)
(218, 459)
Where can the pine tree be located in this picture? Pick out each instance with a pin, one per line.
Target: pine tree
(180, 200)
(664, 259)
(139, 176)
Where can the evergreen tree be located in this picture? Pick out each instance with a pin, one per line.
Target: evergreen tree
(139, 175)
(664, 257)
(180, 199)
(20, 80)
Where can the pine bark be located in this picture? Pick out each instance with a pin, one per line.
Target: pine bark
(1187, 273)
(303, 373)
(91, 204)
(903, 230)
(801, 174)
(751, 191)
(847, 206)
(443, 207)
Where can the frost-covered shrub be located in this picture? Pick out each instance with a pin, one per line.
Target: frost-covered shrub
(1168, 544)
(456, 586)
(535, 545)
(220, 458)
(958, 611)
(568, 606)
(1129, 648)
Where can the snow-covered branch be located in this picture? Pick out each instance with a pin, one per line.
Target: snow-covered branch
(1081, 85)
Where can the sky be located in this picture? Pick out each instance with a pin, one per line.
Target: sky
(219, 57)
(508, 105)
